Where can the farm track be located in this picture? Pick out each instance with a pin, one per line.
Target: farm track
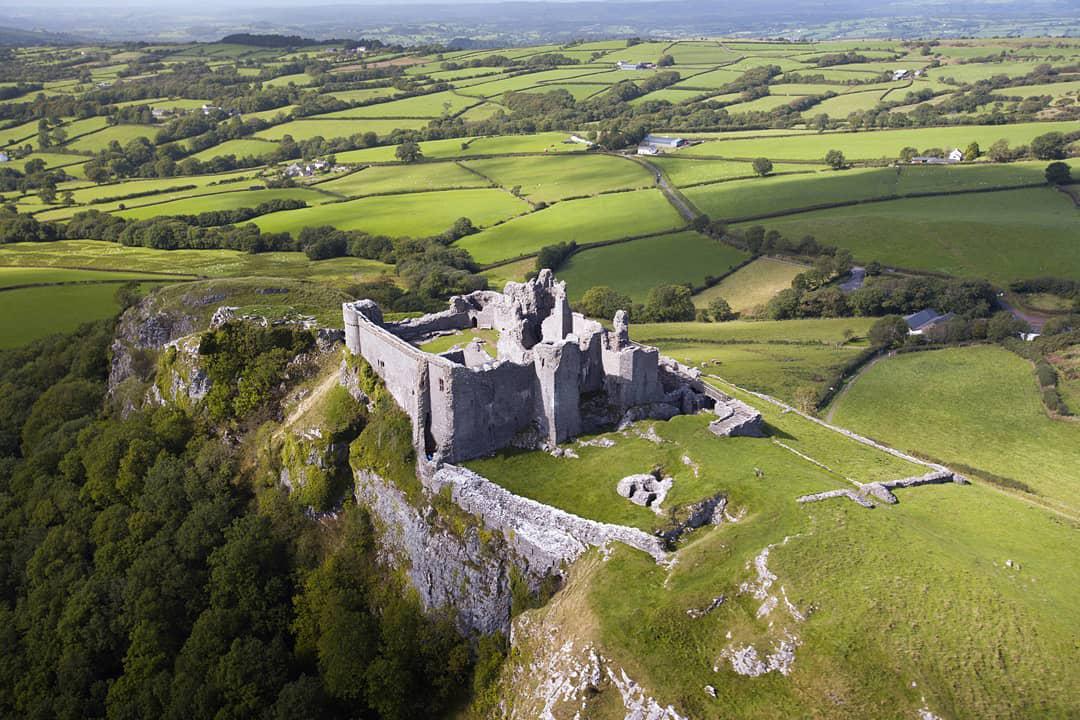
(678, 201)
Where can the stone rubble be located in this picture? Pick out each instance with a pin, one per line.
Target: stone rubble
(600, 442)
(696, 613)
(645, 489)
(882, 490)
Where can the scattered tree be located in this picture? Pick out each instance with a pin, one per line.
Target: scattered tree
(763, 166)
(972, 152)
(888, 332)
(720, 310)
(603, 302)
(409, 152)
(835, 159)
(669, 303)
(1050, 146)
(1058, 173)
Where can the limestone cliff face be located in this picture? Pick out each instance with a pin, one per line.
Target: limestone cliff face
(453, 566)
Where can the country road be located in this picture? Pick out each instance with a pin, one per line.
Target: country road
(681, 205)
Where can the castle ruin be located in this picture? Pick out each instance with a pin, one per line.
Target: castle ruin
(555, 373)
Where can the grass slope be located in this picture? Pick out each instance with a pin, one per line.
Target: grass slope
(977, 406)
(750, 287)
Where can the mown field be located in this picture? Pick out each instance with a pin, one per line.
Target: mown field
(52, 309)
(784, 193)
(1002, 236)
(230, 200)
(548, 179)
(684, 257)
(411, 215)
(751, 287)
(591, 220)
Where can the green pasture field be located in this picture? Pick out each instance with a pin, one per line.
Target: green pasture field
(683, 257)
(579, 91)
(231, 200)
(417, 177)
(299, 80)
(510, 272)
(690, 171)
(99, 255)
(978, 406)
(701, 52)
(835, 74)
(870, 145)
(53, 161)
(422, 106)
(749, 288)
(1002, 236)
(743, 198)
(495, 88)
(761, 104)
(18, 276)
(778, 358)
(362, 95)
(97, 141)
(271, 114)
(409, 215)
(971, 72)
(203, 183)
(1055, 90)
(52, 310)
(843, 105)
(785, 64)
(671, 95)
(242, 147)
(642, 52)
(483, 111)
(605, 217)
(548, 179)
(167, 103)
(23, 134)
(547, 142)
(827, 331)
(712, 80)
(307, 129)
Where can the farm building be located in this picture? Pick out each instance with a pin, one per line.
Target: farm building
(900, 74)
(624, 65)
(925, 319)
(4, 157)
(956, 155)
(647, 150)
(659, 141)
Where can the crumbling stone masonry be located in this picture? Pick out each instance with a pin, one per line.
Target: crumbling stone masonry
(555, 375)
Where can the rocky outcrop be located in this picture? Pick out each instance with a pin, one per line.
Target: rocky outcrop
(459, 570)
(143, 330)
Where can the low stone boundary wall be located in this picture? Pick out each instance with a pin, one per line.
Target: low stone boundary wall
(545, 536)
(882, 490)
